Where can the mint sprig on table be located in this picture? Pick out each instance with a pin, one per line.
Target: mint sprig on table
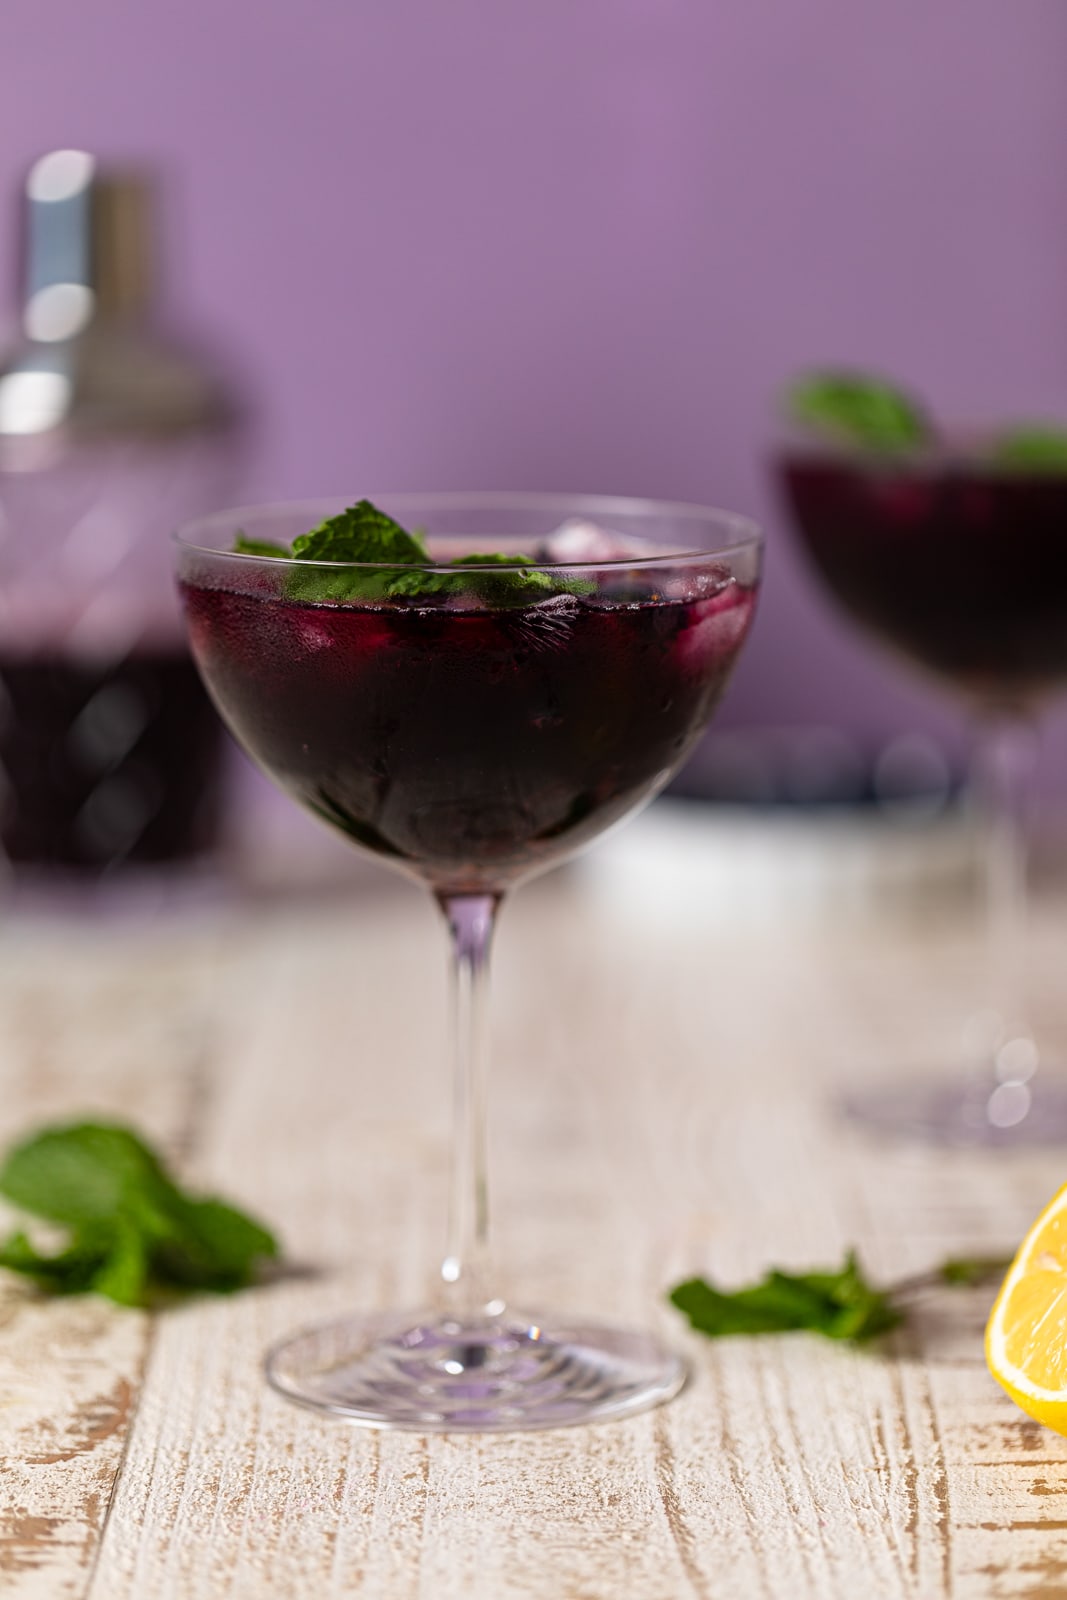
(132, 1234)
(839, 1304)
(399, 566)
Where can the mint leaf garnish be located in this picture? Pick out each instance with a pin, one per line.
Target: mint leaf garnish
(133, 1234)
(361, 533)
(516, 581)
(1039, 448)
(839, 1304)
(243, 546)
(395, 564)
(858, 410)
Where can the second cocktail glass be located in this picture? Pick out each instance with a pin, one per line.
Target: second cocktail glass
(472, 732)
(959, 564)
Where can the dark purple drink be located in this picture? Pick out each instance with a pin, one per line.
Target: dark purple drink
(960, 565)
(471, 746)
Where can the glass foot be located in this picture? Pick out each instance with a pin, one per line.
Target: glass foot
(965, 1113)
(432, 1375)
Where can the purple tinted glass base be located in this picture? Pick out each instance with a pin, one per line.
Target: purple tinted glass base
(966, 1112)
(431, 1374)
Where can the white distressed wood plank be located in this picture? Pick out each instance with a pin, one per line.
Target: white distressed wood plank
(92, 1022)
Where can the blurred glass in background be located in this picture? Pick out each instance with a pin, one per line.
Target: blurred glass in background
(111, 432)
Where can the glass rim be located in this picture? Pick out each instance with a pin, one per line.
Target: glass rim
(740, 532)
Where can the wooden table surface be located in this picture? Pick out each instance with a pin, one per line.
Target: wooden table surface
(660, 1108)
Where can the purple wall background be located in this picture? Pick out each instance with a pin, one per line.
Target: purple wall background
(578, 244)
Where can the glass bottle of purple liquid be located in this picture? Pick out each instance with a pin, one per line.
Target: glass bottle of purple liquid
(110, 433)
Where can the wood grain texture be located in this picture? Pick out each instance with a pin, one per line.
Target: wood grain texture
(660, 1108)
(89, 1023)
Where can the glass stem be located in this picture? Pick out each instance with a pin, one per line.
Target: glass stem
(1004, 765)
(465, 1269)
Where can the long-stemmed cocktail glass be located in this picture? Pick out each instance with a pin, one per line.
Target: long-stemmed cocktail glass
(472, 733)
(960, 566)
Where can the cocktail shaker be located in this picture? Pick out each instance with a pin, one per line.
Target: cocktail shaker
(111, 433)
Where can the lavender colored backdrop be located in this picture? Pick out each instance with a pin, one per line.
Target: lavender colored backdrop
(577, 244)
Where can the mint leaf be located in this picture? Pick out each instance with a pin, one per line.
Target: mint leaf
(855, 1310)
(133, 1234)
(80, 1174)
(858, 410)
(839, 1304)
(334, 584)
(966, 1271)
(125, 1271)
(516, 581)
(243, 546)
(214, 1247)
(763, 1308)
(68, 1271)
(1038, 448)
(361, 533)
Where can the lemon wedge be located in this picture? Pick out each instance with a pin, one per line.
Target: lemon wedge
(1026, 1336)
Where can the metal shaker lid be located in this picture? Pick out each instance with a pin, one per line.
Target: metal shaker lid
(88, 360)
